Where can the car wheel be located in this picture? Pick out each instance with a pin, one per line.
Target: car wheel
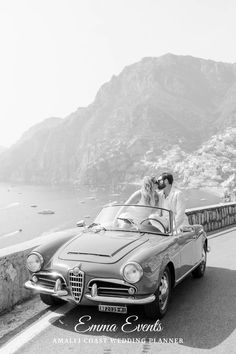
(51, 300)
(200, 270)
(159, 307)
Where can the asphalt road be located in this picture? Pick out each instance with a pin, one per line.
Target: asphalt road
(201, 319)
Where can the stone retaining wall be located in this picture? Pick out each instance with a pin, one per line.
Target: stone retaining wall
(213, 217)
(13, 272)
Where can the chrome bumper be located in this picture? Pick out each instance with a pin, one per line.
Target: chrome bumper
(33, 286)
(121, 300)
(108, 299)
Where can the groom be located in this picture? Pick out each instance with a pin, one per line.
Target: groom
(172, 198)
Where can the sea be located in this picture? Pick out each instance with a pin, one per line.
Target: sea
(21, 206)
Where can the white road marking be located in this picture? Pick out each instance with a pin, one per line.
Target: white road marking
(29, 333)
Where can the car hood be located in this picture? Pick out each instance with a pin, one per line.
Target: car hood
(101, 247)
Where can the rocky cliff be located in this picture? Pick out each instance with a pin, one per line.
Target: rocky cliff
(157, 114)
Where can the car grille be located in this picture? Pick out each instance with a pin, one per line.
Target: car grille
(76, 285)
(105, 288)
(48, 280)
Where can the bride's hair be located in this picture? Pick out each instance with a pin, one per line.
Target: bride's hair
(147, 191)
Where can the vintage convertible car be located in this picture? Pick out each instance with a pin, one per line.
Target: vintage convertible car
(129, 255)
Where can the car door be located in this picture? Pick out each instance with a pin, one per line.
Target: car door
(187, 253)
(198, 246)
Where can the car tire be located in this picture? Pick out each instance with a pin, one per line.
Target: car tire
(200, 270)
(158, 308)
(51, 300)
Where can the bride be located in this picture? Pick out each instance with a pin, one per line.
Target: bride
(147, 194)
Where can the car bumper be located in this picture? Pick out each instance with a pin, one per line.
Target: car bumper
(122, 300)
(41, 289)
(101, 299)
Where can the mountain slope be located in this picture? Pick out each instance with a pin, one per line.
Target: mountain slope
(154, 109)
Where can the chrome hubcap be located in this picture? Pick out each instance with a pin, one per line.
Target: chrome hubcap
(163, 291)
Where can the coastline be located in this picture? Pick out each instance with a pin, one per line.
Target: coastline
(21, 222)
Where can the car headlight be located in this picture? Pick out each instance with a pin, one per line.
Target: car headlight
(132, 272)
(34, 262)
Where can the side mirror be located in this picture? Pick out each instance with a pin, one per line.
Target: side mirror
(80, 223)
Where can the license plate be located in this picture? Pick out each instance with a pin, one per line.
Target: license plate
(109, 308)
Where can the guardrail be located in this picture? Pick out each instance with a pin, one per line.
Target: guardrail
(213, 217)
(13, 272)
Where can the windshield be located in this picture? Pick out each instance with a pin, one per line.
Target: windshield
(134, 218)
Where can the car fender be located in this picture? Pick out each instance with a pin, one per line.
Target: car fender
(58, 239)
(166, 262)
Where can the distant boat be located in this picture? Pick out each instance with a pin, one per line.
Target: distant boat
(46, 211)
(11, 233)
(92, 198)
(34, 206)
(203, 199)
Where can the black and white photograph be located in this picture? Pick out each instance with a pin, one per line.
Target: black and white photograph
(117, 176)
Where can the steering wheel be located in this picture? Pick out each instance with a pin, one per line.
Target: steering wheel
(158, 221)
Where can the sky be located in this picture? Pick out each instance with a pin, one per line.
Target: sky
(56, 54)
